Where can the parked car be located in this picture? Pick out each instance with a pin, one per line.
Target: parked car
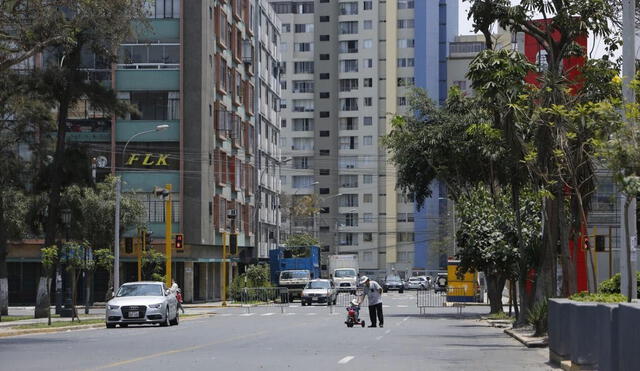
(319, 291)
(142, 302)
(441, 283)
(417, 283)
(393, 283)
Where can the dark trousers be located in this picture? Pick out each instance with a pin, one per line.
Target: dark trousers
(376, 311)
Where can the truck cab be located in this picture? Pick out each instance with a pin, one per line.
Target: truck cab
(345, 279)
(294, 281)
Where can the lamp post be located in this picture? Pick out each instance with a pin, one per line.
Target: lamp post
(116, 242)
(67, 311)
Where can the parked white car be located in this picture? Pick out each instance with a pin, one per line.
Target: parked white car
(417, 283)
(319, 291)
(142, 302)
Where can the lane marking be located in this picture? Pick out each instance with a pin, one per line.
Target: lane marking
(378, 337)
(226, 314)
(405, 319)
(345, 360)
(403, 306)
(311, 314)
(267, 314)
(387, 332)
(247, 314)
(290, 314)
(386, 306)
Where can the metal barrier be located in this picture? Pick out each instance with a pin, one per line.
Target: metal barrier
(430, 299)
(344, 299)
(265, 297)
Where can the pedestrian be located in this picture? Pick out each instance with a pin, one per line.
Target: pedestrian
(373, 291)
(177, 292)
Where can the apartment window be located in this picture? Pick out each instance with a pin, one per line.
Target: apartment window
(406, 81)
(303, 47)
(367, 218)
(367, 121)
(405, 236)
(406, 23)
(406, 4)
(350, 8)
(349, 200)
(324, 95)
(302, 67)
(406, 43)
(302, 8)
(348, 239)
(350, 27)
(348, 162)
(302, 144)
(349, 65)
(303, 27)
(367, 63)
(325, 152)
(367, 25)
(348, 143)
(138, 56)
(368, 101)
(410, 218)
(367, 82)
(348, 46)
(324, 18)
(367, 236)
(153, 105)
(324, 76)
(302, 124)
(402, 101)
(349, 104)
(302, 86)
(325, 38)
(367, 140)
(367, 179)
(283, 84)
(286, 27)
(325, 191)
(348, 123)
(367, 198)
(349, 181)
(302, 105)
(302, 181)
(162, 9)
(348, 84)
(325, 133)
(325, 57)
(367, 43)
(325, 172)
(324, 114)
(401, 217)
(283, 123)
(350, 219)
(406, 62)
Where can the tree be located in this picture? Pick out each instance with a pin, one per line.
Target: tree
(301, 240)
(103, 258)
(152, 265)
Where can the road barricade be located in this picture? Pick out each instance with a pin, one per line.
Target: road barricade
(344, 299)
(265, 297)
(429, 299)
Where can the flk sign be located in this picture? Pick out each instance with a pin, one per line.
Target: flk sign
(151, 156)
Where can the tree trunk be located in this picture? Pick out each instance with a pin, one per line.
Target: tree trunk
(74, 294)
(4, 284)
(627, 237)
(567, 263)
(43, 304)
(49, 295)
(545, 283)
(515, 204)
(495, 285)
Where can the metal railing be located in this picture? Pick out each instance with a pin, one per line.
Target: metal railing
(264, 297)
(344, 299)
(430, 299)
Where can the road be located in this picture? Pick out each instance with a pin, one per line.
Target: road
(301, 338)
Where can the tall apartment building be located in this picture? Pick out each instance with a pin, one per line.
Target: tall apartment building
(347, 68)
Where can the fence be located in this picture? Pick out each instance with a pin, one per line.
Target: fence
(265, 297)
(430, 299)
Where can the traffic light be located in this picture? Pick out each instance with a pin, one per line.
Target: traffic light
(233, 244)
(128, 245)
(179, 238)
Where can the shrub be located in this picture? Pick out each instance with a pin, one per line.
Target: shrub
(599, 297)
(539, 317)
(255, 276)
(612, 285)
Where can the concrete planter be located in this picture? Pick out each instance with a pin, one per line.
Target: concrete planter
(559, 329)
(607, 325)
(583, 345)
(629, 336)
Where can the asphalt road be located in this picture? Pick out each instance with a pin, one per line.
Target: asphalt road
(301, 338)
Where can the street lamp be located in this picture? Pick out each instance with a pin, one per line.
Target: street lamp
(67, 311)
(116, 242)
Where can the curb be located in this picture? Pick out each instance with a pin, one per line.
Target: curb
(529, 342)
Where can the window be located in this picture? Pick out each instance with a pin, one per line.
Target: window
(350, 8)
(302, 144)
(406, 62)
(302, 67)
(153, 105)
(348, 84)
(406, 43)
(367, 217)
(348, 239)
(350, 27)
(367, 121)
(303, 27)
(349, 200)
(349, 104)
(302, 86)
(349, 181)
(367, 198)
(367, 140)
(405, 236)
(302, 8)
(283, 123)
(367, 101)
(367, 43)
(302, 181)
(348, 123)
(325, 172)
(324, 76)
(350, 219)
(323, 18)
(324, 95)
(406, 23)
(348, 46)
(367, 25)
(324, 114)
(325, 38)
(138, 56)
(348, 65)
(162, 9)
(348, 162)
(303, 47)
(406, 4)
(325, 57)
(302, 105)
(348, 143)
(302, 124)
(367, 82)
(325, 133)
(402, 101)
(367, 236)
(367, 179)
(286, 27)
(325, 152)
(367, 63)
(406, 81)
(325, 191)
(368, 5)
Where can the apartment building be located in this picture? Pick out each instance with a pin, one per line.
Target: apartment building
(347, 68)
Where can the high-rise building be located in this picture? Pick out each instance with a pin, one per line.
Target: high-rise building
(347, 69)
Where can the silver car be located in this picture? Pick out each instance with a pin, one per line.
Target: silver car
(319, 291)
(142, 302)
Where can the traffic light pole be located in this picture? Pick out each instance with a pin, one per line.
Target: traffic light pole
(167, 236)
(141, 247)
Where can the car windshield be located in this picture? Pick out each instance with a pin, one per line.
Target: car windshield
(345, 273)
(140, 290)
(393, 280)
(414, 279)
(287, 275)
(318, 285)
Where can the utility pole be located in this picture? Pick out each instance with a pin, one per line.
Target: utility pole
(628, 254)
(167, 235)
(116, 242)
(224, 267)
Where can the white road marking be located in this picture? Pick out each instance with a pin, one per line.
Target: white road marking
(403, 306)
(226, 314)
(387, 332)
(345, 360)
(378, 337)
(247, 314)
(268, 314)
(311, 314)
(291, 314)
(405, 318)
(386, 306)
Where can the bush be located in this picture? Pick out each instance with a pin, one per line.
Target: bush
(255, 276)
(612, 285)
(539, 317)
(599, 297)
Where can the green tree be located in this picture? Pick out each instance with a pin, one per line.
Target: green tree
(301, 240)
(152, 265)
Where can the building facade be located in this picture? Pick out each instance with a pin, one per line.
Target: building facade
(347, 69)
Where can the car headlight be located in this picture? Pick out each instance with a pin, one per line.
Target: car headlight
(155, 306)
(113, 307)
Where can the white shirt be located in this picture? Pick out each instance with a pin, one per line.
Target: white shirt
(373, 293)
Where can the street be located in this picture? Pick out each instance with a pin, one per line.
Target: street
(301, 338)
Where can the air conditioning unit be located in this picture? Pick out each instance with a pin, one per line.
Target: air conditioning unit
(232, 213)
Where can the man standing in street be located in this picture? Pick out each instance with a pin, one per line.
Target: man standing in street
(373, 291)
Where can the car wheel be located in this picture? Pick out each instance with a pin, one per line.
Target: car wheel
(111, 325)
(166, 321)
(176, 320)
(400, 291)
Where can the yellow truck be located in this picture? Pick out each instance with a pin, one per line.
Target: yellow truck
(469, 288)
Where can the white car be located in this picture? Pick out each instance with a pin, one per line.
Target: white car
(140, 303)
(319, 291)
(417, 283)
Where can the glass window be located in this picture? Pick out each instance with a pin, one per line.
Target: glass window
(348, 65)
(348, 84)
(367, 198)
(348, 46)
(367, 43)
(350, 8)
(154, 105)
(367, 179)
(349, 181)
(367, 25)
(367, 140)
(367, 121)
(302, 181)
(302, 124)
(303, 67)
